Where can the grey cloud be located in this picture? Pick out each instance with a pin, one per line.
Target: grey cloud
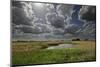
(18, 32)
(57, 31)
(55, 20)
(44, 27)
(87, 13)
(28, 29)
(19, 17)
(17, 4)
(71, 29)
(39, 20)
(28, 9)
(36, 29)
(88, 30)
(50, 8)
(50, 22)
(64, 10)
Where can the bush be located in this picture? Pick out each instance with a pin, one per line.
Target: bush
(77, 39)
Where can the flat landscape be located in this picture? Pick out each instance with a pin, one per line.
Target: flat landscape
(52, 33)
(37, 52)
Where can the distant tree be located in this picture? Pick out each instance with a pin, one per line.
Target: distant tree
(77, 39)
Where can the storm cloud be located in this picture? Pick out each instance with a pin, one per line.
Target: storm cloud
(49, 20)
(55, 20)
(18, 16)
(71, 29)
(88, 13)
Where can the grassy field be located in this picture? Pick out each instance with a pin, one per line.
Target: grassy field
(35, 52)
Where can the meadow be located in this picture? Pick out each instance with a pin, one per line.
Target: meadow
(35, 52)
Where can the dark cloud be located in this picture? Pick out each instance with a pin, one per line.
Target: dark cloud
(39, 20)
(59, 15)
(55, 20)
(71, 29)
(17, 4)
(28, 10)
(26, 28)
(30, 20)
(19, 17)
(65, 11)
(88, 13)
(88, 31)
(58, 22)
(36, 29)
(26, 19)
(58, 31)
(50, 8)
(44, 27)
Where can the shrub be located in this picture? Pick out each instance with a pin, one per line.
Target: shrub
(77, 39)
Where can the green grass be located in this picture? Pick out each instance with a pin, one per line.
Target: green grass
(83, 51)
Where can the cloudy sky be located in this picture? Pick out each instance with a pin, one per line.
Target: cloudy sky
(32, 20)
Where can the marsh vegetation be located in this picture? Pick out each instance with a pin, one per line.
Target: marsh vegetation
(36, 52)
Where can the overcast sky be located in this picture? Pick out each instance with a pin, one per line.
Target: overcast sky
(32, 20)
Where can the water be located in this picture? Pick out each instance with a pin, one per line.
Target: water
(61, 46)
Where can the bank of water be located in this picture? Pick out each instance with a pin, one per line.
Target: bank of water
(61, 46)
